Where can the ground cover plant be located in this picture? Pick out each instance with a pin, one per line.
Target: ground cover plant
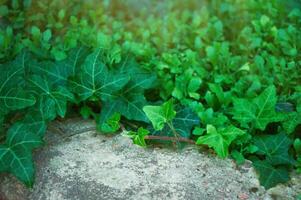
(221, 74)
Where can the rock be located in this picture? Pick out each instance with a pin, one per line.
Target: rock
(80, 164)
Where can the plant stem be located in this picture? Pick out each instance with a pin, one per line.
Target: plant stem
(166, 138)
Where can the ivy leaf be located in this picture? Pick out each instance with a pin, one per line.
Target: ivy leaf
(297, 146)
(159, 115)
(86, 112)
(259, 111)
(238, 157)
(130, 101)
(12, 93)
(111, 125)
(138, 137)
(95, 80)
(270, 176)
(275, 148)
(224, 98)
(57, 73)
(15, 154)
(55, 98)
(293, 120)
(35, 121)
(220, 139)
(182, 124)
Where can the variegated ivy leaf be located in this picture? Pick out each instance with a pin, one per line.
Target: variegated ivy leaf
(53, 101)
(130, 101)
(257, 112)
(16, 153)
(95, 81)
(12, 93)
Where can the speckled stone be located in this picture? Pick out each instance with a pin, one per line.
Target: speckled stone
(80, 164)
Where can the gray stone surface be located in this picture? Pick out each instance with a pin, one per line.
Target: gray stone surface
(80, 164)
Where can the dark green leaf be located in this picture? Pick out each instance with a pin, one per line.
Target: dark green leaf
(12, 93)
(270, 176)
(55, 98)
(15, 154)
(95, 80)
(182, 124)
(130, 101)
(275, 148)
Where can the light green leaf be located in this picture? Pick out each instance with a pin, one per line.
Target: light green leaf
(111, 125)
(159, 115)
(292, 120)
(297, 146)
(138, 137)
(221, 139)
(259, 111)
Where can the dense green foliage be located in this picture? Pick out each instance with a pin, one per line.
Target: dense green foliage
(228, 71)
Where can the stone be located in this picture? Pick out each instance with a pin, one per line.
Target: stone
(80, 164)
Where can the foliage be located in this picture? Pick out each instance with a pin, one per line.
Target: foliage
(220, 140)
(230, 84)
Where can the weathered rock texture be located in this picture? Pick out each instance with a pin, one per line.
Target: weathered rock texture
(80, 164)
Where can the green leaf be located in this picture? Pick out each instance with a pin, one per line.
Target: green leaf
(292, 120)
(181, 125)
(58, 53)
(221, 139)
(86, 112)
(129, 102)
(95, 80)
(57, 73)
(297, 146)
(223, 97)
(13, 96)
(35, 31)
(4, 10)
(47, 35)
(55, 98)
(259, 111)
(35, 121)
(111, 125)
(138, 137)
(15, 154)
(159, 115)
(275, 148)
(238, 157)
(270, 176)
(198, 131)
